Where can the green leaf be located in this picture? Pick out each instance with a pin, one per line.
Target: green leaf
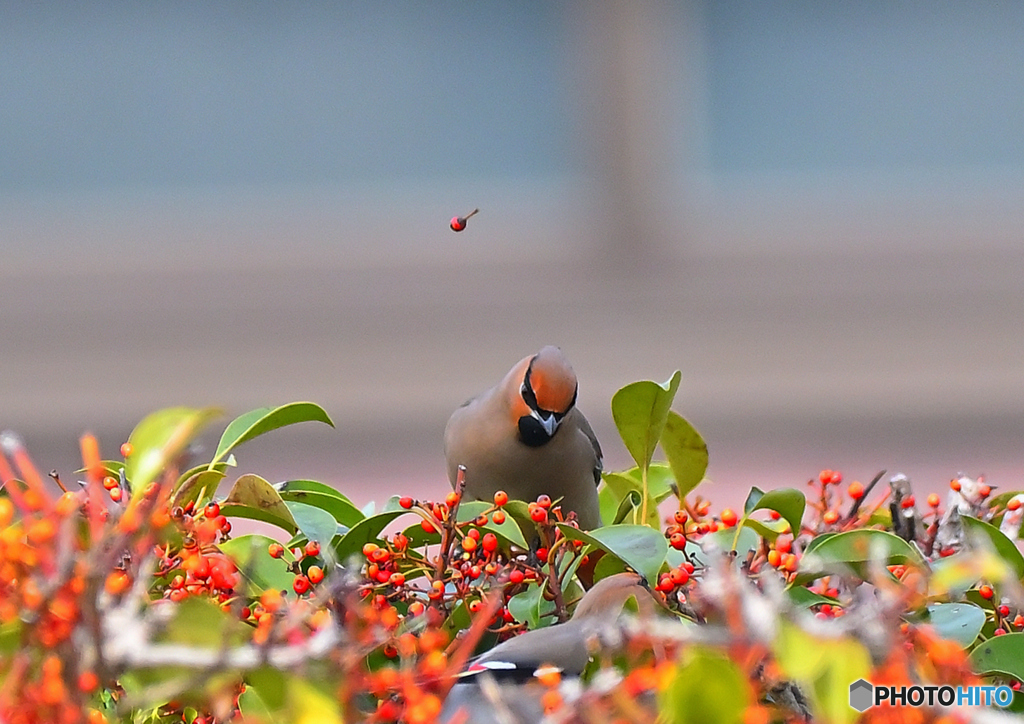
(264, 419)
(192, 484)
(686, 451)
(787, 502)
(735, 539)
(824, 668)
(314, 523)
(855, 549)
(767, 529)
(321, 496)
(979, 529)
(199, 621)
(806, 598)
(253, 497)
(530, 606)
(707, 687)
(640, 411)
(471, 509)
(365, 531)
(251, 554)
(641, 547)
(161, 437)
(1000, 656)
(625, 485)
(960, 622)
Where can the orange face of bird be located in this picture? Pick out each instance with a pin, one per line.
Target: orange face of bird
(549, 393)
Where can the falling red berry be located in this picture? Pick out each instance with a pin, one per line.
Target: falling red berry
(458, 223)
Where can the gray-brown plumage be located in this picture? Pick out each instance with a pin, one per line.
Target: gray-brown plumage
(525, 436)
(565, 647)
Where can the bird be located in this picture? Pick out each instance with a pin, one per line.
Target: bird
(526, 437)
(563, 647)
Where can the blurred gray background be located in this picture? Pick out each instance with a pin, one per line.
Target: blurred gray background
(814, 210)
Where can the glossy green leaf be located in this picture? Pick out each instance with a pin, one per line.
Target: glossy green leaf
(529, 606)
(199, 481)
(686, 452)
(314, 523)
(707, 687)
(253, 497)
(366, 530)
(508, 530)
(960, 622)
(321, 496)
(251, 555)
(805, 598)
(824, 668)
(1000, 656)
(640, 411)
(979, 529)
(787, 502)
(767, 529)
(160, 438)
(263, 420)
(641, 547)
(854, 550)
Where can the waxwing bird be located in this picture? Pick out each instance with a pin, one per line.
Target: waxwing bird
(564, 647)
(525, 436)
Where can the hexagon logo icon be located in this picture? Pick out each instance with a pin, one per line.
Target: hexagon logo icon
(861, 694)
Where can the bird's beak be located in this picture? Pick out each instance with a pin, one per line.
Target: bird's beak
(549, 423)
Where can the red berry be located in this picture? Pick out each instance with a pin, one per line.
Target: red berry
(416, 608)
(955, 485)
(856, 490)
(212, 510)
(1004, 611)
(126, 449)
(831, 517)
(665, 583)
(276, 550)
(300, 584)
(542, 555)
(836, 478)
(490, 542)
(774, 514)
(452, 499)
(427, 526)
(680, 517)
(396, 579)
(539, 515)
(984, 491)
(825, 476)
(473, 533)
(1014, 503)
(312, 549)
(458, 223)
(500, 498)
(498, 517)
(999, 631)
(677, 541)
(729, 517)
(544, 501)
(315, 574)
(405, 502)
(516, 576)
(986, 592)
(679, 576)
(907, 502)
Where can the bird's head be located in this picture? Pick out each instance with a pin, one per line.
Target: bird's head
(546, 394)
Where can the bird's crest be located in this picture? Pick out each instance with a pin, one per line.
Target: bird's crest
(552, 380)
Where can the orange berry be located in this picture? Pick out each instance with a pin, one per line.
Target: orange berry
(498, 517)
(986, 592)
(790, 562)
(452, 499)
(831, 517)
(955, 485)
(539, 515)
(933, 500)
(500, 498)
(729, 517)
(315, 574)
(97, 717)
(312, 549)
(984, 491)
(117, 583)
(126, 449)
(1014, 503)
(405, 502)
(276, 550)
(427, 526)
(6, 512)
(856, 490)
(88, 682)
(774, 558)
(116, 495)
(469, 544)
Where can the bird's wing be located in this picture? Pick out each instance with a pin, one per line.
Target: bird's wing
(589, 432)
